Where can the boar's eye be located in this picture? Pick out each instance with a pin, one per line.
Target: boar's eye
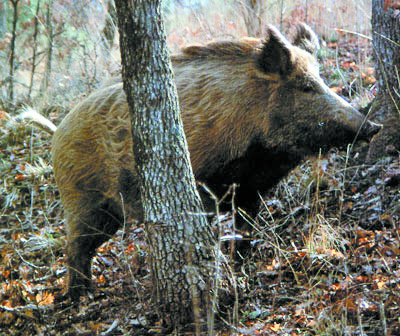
(305, 84)
(307, 88)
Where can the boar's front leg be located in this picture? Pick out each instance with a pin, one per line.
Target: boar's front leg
(85, 234)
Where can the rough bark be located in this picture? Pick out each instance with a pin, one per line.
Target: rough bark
(386, 106)
(179, 237)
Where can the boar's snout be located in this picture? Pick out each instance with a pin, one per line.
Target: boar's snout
(369, 129)
(365, 128)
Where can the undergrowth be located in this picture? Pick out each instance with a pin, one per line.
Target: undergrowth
(325, 249)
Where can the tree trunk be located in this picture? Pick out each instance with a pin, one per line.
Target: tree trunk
(3, 18)
(50, 37)
(253, 15)
(180, 239)
(34, 47)
(109, 27)
(386, 106)
(12, 51)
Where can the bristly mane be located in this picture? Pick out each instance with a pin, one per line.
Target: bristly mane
(243, 47)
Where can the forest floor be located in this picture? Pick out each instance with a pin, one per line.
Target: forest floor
(325, 259)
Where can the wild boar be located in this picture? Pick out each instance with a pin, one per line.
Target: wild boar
(251, 109)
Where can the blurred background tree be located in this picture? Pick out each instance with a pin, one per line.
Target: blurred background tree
(253, 16)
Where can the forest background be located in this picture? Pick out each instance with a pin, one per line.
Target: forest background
(328, 262)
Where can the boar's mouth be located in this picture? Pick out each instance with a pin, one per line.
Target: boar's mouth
(362, 128)
(335, 134)
(308, 138)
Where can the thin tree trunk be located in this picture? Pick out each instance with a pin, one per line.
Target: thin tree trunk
(109, 27)
(12, 49)
(306, 13)
(281, 17)
(386, 106)
(253, 15)
(179, 237)
(3, 17)
(50, 37)
(34, 47)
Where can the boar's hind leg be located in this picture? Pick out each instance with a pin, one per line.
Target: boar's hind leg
(85, 236)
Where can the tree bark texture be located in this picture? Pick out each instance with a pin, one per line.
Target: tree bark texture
(386, 43)
(179, 237)
(386, 106)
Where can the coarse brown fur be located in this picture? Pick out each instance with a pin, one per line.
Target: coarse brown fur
(251, 111)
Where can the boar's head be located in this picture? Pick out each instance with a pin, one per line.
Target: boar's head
(306, 114)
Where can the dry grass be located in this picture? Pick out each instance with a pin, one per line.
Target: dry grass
(306, 235)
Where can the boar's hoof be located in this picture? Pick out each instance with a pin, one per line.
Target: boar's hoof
(80, 268)
(79, 286)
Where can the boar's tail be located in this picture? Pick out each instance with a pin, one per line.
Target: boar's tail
(31, 116)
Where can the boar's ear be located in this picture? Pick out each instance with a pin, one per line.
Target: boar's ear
(306, 39)
(275, 54)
